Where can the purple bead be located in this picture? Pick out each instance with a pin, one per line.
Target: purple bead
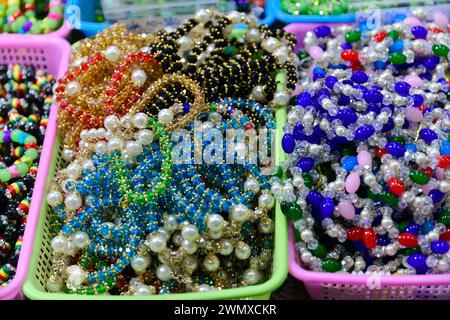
(373, 96)
(402, 88)
(436, 195)
(428, 135)
(418, 100)
(347, 116)
(315, 198)
(327, 208)
(359, 77)
(306, 164)
(419, 32)
(330, 81)
(364, 132)
(431, 62)
(304, 99)
(439, 247)
(288, 143)
(322, 31)
(413, 228)
(27, 26)
(419, 262)
(396, 149)
(7, 136)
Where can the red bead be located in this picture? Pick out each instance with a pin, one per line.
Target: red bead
(436, 30)
(355, 233)
(116, 76)
(422, 107)
(380, 152)
(446, 235)
(84, 66)
(350, 55)
(99, 56)
(396, 186)
(444, 162)
(380, 36)
(370, 238)
(408, 240)
(428, 171)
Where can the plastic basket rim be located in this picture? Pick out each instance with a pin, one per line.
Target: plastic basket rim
(14, 287)
(290, 18)
(279, 257)
(60, 32)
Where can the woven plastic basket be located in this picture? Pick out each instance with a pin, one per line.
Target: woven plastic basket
(52, 55)
(35, 287)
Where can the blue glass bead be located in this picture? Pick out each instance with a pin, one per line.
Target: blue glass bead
(315, 198)
(364, 132)
(323, 92)
(346, 46)
(418, 100)
(373, 96)
(388, 126)
(349, 162)
(383, 240)
(402, 88)
(411, 147)
(436, 195)
(304, 99)
(419, 32)
(344, 100)
(427, 227)
(319, 70)
(396, 149)
(347, 116)
(186, 107)
(439, 247)
(373, 107)
(445, 148)
(431, 62)
(298, 132)
(379, 65)
(288, 143)
(359, 77)
(419, 262)
(413, 228)
(306, 164)
(428, 135)
(397, 46)
(330, 81)
(322, 31)
(327, 208)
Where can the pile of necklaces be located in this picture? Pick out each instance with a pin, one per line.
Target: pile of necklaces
(25, 99)
(132, 212)
(368, 150)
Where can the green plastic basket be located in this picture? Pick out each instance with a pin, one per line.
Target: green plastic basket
(34, 287)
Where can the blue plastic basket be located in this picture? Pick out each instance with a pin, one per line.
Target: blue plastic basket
(275, 7)
(81, 14)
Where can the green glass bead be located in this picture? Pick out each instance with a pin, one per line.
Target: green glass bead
(402, 225)
(397, 139)
(5, 175)
(410, 251)
(331, 265)
(352, 36)
(30, 139)
(302, 54)
(230, 51)
(397, 58)
(388, 198)
(292, 210)
(440, 50)
(280, 172)
(22, 168)
(349, 150)
(371, 195)
(297, 235)
(393, 34)
(320, 251)
(419, 177)
(308, 180)
(444, 218)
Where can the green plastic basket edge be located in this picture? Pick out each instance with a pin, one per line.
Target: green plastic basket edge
(261, 291)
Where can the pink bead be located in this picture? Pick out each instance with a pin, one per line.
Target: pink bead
(440, 19)
(364, 158)
(14, 172)
(346, 209)
(310, 70)
(55, 3)
(412, 21)
(439, 173)
(426, 189)
(414, 80)
(352, 182)
(414, 114)
(296, 91)
(315, 52)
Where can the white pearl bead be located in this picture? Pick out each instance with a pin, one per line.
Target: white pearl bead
(202, 16)
(111, 122)
(239, 212)
(145, 137)
(242, 251)
(112, 53)
(170, 223)
(54, 284)
(281, 55)
(266, 200)
(140, 263)
(189, 232)
(67, 154)
(281, 98)
(59, 244)
(140, 120)
(142, 290)
(138, 77)
(211, 263)
(226, 247)
(215, 222)
(73, 88)
(270, 44)
(80, 239)
(235, 16)
(252, 276)
(134, 148)
(164, 273)
(88, 165)
(204, 288)
(72, 201)
(157, 243)
(54, 198)
(76, 276)
(189, 247)
(71, 249)
(190, 263)
(215, 235)
(184, 42)
(253, 35)
(115, 144)
(252, 185)
(165, 116)
(101, 147)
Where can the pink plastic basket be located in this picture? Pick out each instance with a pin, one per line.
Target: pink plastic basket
(52, 55)
(332, 286)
